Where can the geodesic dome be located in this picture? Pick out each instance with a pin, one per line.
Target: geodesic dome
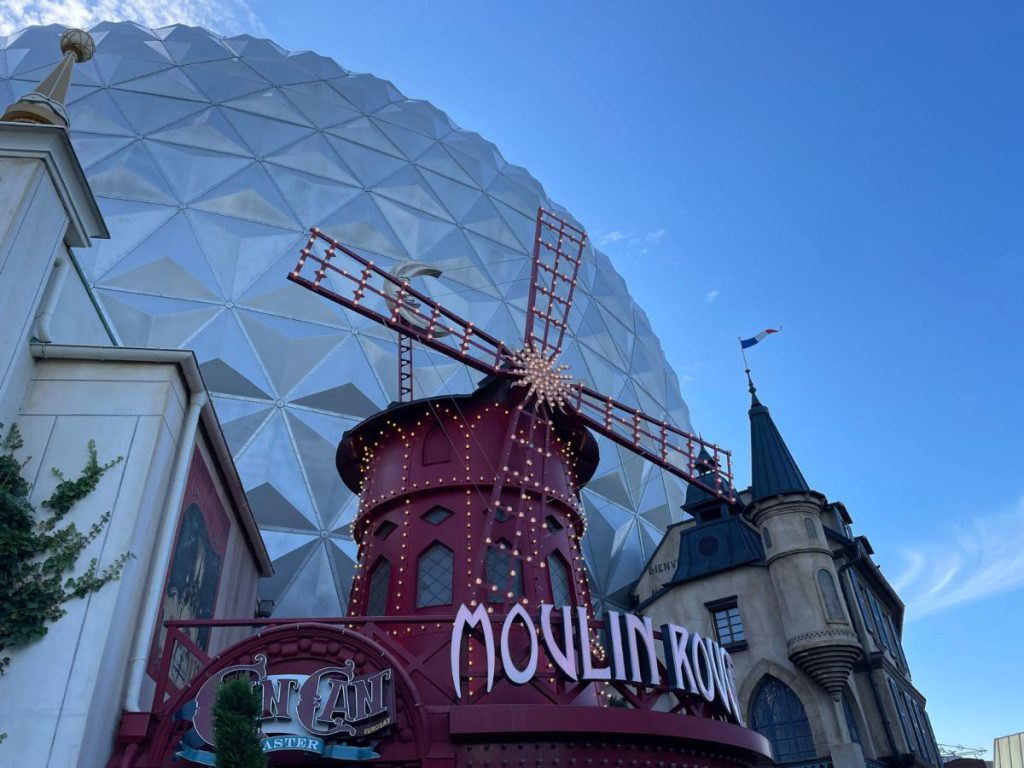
(211, 157)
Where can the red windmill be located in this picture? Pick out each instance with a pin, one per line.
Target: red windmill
(515, 478)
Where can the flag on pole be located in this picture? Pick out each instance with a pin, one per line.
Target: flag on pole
(748, 343)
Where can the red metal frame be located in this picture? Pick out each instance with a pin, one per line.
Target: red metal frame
(405, 380)
(670, 448)
(565, 244)
(461, 339)
(659, 442)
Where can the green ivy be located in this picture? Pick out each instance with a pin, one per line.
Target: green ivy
(36, 553)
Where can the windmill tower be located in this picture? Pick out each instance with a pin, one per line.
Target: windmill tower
(474, 499)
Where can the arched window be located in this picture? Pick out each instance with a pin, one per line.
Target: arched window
(503, 571)
(561, 581)
(434, 576)
(851, 721)
(812, 531)
(437, 448)
(827, 585)
(767, 536)
(777, 714)
(380, 578)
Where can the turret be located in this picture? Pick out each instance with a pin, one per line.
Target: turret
(48, 207)
(819, 636)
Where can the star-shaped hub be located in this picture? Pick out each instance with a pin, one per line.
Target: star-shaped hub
(544, 378)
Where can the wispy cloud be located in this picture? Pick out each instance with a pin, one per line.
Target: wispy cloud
(603, 238)
(979, 558)
(710, 296)
(637, 241)
(228, 17)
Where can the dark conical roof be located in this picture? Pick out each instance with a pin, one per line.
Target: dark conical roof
(773, 468)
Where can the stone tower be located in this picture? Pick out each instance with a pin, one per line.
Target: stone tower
(819, 636)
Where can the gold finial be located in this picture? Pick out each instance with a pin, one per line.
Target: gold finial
(45, 105)
(79, 42)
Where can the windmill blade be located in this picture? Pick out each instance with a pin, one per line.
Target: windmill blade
(557, 253)
(671, 448)
(332, 270)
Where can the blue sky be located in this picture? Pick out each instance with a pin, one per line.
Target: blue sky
(853, 172)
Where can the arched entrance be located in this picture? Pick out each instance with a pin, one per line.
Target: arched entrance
(777, 713)
(329, 694)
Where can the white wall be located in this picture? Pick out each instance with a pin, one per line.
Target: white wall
(77, 672)
(77, 321)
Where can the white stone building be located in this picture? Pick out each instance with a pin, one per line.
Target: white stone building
(175, 500)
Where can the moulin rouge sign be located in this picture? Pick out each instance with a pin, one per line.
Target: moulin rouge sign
(318, 712)
(694, 665)
(313, 713)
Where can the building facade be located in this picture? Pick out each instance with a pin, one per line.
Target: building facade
(172, 495)
(785, 583)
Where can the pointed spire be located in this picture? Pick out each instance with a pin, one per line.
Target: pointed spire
(773, 468)
(45, 105)
(751, 389)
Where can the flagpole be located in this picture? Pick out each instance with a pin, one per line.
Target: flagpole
(743, 352)
(746, 367)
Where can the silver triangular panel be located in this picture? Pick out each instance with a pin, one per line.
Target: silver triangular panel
(190, 45)
(484, 219)
(456, 197)
(289, 349)
(270, 458)
(239, 252)
(240, 419)
(313, 586)
(269, 103)
(360, 224)
(228, 361)
(208, 129)
(410, 143)
(458, 261)
(249, 195)
(286, 568)
(172, 84)
(316, 456)
(407, 187)
(264, 135)
(151, 321)
(368, 165)
(314, 156)
(225, 79)
(367, 92)
(320, 103)
(439, 160)
(356, 393)
(174, 261)
(97, 113)
(192, 171)
(131, 173)
(134, 221)
(92, 147)
(416, 231)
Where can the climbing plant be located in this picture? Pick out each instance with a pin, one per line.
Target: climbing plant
(36, 551)
(236, 725)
